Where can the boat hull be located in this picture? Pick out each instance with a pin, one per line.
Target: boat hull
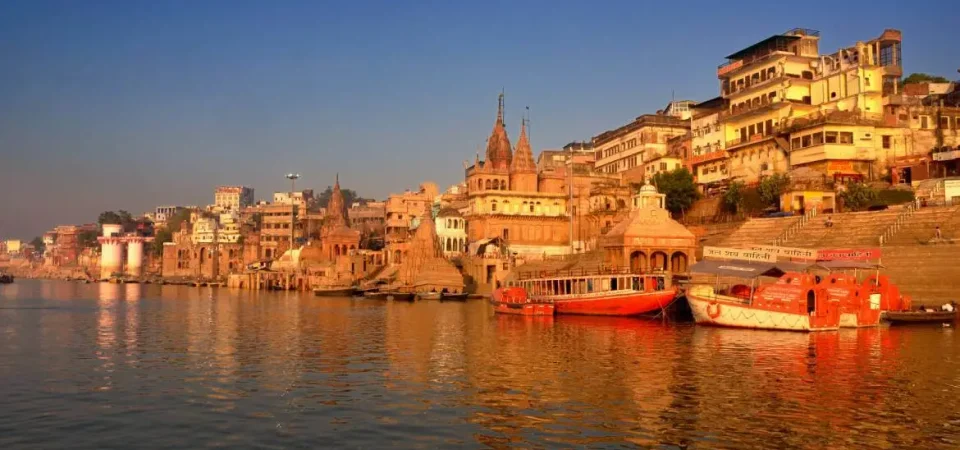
(524, 309)
(919, 317)
(631, 304)
(429, 296)
(454, 297)
(708, 311)
(343, 292)
(402, 296)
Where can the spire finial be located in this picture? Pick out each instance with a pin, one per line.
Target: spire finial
(500, 107)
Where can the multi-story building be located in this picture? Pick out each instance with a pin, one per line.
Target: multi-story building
(275, 229)
(708, 159)
(679, 109)
(163, 213)
(232, 198)
(765, 84)
(303, 199)
(847, 137)
(582, 154)
(451, 232)
(631, 145)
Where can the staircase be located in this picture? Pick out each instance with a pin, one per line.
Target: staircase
(796, 228)
(759, 231)
(920, 226)
(859, 229)
(925, 272)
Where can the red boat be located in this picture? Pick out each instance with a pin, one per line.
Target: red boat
(601, 294)
(514, 300)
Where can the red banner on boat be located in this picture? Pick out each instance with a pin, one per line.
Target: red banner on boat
(853, 254)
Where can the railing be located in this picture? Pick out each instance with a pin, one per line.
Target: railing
(583, 272)
(796, 227)
(897, 224)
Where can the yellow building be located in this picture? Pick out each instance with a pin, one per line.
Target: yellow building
(631, 145)
(765, 84)
(403, 212)
(708, 158)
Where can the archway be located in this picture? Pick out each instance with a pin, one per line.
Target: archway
(496, 185)
(486, 184)
(678, 262)
(658, 261)
(638, 261)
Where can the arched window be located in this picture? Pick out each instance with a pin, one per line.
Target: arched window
(486, 184)
(496, 185)
(493, 206)
(449, 248)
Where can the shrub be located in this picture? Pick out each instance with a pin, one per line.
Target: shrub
(894, 197)
(858, 196)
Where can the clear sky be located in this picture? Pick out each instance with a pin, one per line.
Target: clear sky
(133, 104)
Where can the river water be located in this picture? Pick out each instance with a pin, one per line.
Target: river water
(124, 366)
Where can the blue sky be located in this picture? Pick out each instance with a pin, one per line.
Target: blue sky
(133, 104)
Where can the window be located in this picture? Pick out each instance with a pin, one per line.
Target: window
(493, 206)
(830, 137)
(846, 137)
(805, 141)
(795, 143)
(886, 141)
(957, 126)
(944, 122)
(817, 138)
(924, 122)
(768, 127)
(751, 130)
(663, 166)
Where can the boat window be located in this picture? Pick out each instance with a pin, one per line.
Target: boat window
(811, 302)
(604, 284)
(589, 285)
(568, 287)
(660, 283)
(636, 283)
(613, 284)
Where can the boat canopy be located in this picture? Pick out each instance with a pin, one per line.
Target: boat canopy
(841, 264)
(740, 269)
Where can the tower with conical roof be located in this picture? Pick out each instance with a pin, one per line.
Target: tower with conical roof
(523, 171)
(336, 209)
(499, 155)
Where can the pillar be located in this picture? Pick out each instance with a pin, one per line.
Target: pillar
(111, 251)
(135, 257)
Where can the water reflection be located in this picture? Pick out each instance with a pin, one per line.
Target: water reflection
(189, 367)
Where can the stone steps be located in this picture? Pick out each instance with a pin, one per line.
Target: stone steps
(921, 227)
(759, 231)
(928, 273)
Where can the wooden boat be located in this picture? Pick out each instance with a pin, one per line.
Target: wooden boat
(919, 317)
(375, 295)
(6, 278)
(794, 302)
(454, 297)
(614, 293)
(334, 291)
(514, 300)
(429, 296)
(401, 296)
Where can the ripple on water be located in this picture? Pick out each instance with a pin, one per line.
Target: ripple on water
(92, 366)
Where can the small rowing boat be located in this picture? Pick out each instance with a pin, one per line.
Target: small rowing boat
(918, 317)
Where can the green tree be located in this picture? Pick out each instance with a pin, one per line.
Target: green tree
(87, 239)
(165, 234)
(924, 78)
(120, 217)
(732, 201)
(38, 244)
(772, 187)
(679, 188)
(858, 196)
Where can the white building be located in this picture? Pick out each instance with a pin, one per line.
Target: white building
(451, 232)
(303, 199)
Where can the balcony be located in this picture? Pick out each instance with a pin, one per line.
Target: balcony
(764, 104)
(751, 85)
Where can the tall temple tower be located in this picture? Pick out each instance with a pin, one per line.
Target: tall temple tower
(523, 170)
(498, 145)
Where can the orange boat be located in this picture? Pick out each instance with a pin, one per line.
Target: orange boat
(861, 302)
(616, 293)
(514, 300)
(794, 302)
